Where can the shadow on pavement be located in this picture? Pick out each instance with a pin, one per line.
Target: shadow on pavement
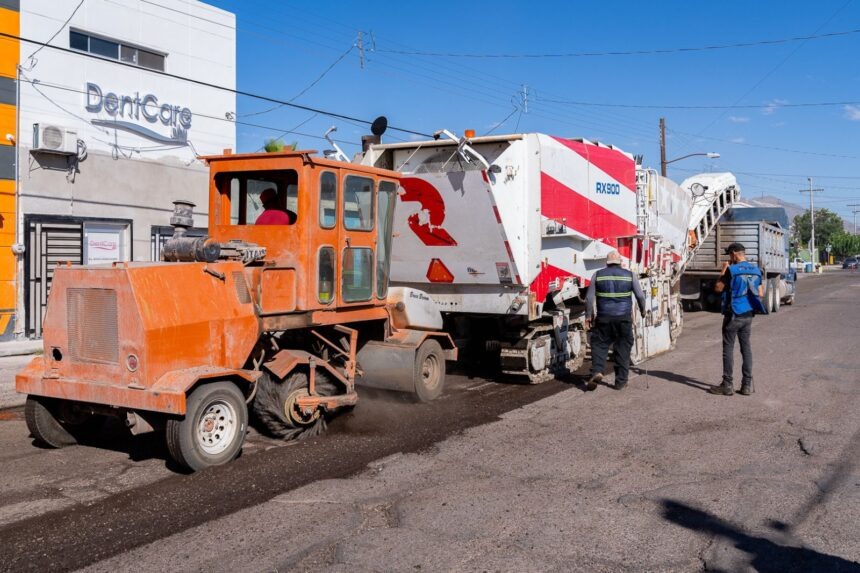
(766, 555)
(677, 378)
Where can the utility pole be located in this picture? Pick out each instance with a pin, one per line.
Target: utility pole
(854, 211)
(663, 146)
(812, 192)
(360, 45)
(525, 98)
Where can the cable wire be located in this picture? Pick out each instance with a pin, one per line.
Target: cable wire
(628, 52)
(208, 84)
(60, 29)
(304, 91)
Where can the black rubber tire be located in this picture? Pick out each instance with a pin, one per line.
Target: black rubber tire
(428, 372)
(269, 405)
(776, 297)
(44, 425)
(181, 433)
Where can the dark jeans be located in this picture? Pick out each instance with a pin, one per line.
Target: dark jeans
(606, 333)
(740, 327)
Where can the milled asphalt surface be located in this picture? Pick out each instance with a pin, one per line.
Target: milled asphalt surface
(661, 477)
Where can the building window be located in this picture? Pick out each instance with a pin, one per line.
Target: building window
(116, 50)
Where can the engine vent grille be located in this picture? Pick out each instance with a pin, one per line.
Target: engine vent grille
(92, 325)
(241, 287)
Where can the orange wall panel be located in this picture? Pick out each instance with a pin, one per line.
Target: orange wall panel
(10, 50)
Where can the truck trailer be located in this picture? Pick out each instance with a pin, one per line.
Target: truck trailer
(764, 233)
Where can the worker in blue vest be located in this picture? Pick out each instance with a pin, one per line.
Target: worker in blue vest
(609, 315)
(742, 289)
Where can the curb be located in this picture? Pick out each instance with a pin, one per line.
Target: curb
(20, 348)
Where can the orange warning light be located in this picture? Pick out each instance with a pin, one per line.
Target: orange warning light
(437, 272)
(470, 133)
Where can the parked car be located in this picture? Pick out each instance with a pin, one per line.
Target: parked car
(850, 263)
(798, 264)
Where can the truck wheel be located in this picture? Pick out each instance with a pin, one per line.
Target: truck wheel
(429, 371)
(776, 296)
(274, 406)
(213, 429)
(59, 423)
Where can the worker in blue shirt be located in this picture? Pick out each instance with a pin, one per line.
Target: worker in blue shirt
(742, 289)
(609, 314)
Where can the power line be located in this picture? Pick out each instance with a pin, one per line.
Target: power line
(629, 52)
(775, 68)
(207, 84)
(36, 84)
(60, 29)
(673, 106)
(304, 91)
(771, 148)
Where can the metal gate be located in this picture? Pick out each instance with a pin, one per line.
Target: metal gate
(49, 244)
(49, 241)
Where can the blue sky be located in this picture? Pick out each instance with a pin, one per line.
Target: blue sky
(285, 46)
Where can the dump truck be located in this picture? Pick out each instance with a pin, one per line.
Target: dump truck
(764, 233)
(278, 321)
(504, 233)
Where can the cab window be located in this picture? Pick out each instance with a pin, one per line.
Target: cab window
(357, 274)
(255, 192)
(328, 200)
(358, 203)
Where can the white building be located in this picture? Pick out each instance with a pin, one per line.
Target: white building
(109, 129)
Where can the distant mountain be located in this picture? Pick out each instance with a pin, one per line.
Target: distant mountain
(792, 209)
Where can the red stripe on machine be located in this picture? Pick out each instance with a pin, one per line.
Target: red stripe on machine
(559, 201)
(548, 275)
(611, 161)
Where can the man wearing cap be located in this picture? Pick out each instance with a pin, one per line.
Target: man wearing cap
(273, 214)
(612, 289)
(741, 287)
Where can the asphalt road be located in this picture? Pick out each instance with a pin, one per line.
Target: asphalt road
(662, 476)
(63, 509)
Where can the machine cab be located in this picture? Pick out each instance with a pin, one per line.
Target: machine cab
(325, 225)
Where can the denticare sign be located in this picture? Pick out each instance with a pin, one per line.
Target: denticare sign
(136, 107)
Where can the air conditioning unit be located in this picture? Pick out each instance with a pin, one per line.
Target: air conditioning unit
(54, 139)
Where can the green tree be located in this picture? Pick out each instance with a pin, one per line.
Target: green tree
(845, 244)
(827, 225)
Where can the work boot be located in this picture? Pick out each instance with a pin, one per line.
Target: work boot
(724, 389)
(591, 385)
(620, 385)
(746, 388)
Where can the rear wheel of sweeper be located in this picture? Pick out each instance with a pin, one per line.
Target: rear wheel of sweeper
(58, 423)
(213, 429)
(429, 371)
(275, 407)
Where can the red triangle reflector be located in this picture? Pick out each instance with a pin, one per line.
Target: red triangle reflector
(437, 272)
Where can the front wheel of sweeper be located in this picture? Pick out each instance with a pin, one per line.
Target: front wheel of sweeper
(429, 371)
(213, 429)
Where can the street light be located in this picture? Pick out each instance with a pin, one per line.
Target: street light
(664, 163)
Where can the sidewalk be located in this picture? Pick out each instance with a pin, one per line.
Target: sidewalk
(20, 348)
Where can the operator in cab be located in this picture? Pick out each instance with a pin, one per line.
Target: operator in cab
(741, 287)
(272, 213)
(609, 306)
